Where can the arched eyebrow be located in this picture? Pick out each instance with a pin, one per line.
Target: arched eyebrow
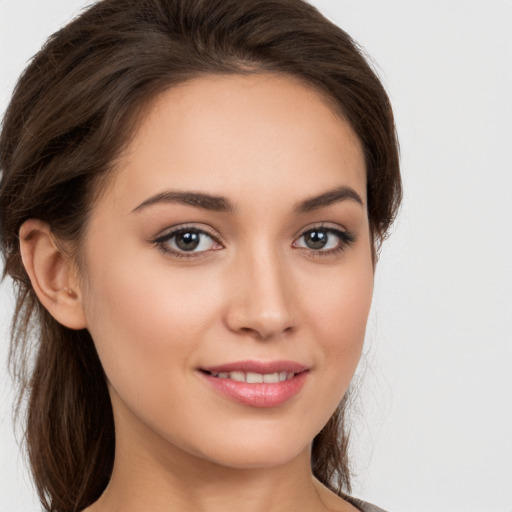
(222, 204)
(197, 199)
(328, 198)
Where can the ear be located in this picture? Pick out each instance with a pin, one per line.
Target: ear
(52, 274)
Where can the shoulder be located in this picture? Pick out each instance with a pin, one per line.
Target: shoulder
(339, 502)
(363, 506)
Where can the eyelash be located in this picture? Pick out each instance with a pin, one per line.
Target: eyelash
(162, 242)
(346, 239)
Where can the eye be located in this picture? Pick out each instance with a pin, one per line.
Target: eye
(325, 240)
(187, 242)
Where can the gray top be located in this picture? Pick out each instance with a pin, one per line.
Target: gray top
(362, 505)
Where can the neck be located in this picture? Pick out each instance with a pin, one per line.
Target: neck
(151, 473)
(163, 478)
(163, 484)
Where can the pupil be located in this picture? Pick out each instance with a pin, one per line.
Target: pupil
(187, 241)
(316, 239)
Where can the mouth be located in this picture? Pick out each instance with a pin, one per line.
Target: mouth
(255, 383)
(253, 377)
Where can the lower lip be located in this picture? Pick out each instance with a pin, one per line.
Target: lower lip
(258, 395)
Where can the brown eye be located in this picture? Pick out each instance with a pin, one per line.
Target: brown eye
(324, 240)
(316, 239)
(187, 241)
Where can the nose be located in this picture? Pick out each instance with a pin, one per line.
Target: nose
(261, 301)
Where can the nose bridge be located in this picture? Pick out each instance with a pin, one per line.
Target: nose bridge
(261, 299)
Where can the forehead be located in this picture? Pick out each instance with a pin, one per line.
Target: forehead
(240, 132)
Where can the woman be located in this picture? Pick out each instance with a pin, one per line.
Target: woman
(192, 200)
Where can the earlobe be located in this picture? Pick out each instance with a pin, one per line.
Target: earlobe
(51, 273)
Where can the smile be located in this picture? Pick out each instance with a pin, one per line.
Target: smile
(255, 378)
(257, 384)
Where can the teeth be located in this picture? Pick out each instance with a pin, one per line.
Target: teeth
(271, 377)
(255, 378)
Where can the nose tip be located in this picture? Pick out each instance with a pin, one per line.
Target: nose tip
(262, 303)
(263, 325)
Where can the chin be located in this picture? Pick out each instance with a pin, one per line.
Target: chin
(258, 457)
(261, 448)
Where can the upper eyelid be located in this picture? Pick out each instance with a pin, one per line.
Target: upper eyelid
(328, 226)
(179, 228)
(343, 234)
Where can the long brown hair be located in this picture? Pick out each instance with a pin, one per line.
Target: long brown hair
(73, 110)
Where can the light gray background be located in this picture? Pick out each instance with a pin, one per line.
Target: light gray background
(434, 426)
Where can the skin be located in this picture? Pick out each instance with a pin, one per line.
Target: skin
(253, 291)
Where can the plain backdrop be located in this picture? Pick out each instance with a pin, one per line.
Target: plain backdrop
(433, 425)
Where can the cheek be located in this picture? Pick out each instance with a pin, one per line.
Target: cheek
(144, 322)
(334, 311)
(338, 313)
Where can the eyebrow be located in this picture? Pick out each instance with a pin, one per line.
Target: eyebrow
(222, 204)
(197, 199)
(328, 198)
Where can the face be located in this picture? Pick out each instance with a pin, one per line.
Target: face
(228, 271)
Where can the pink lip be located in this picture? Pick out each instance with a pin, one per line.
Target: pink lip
(260, 394)
(257, 367)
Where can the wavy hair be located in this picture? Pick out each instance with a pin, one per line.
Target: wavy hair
(72, 112)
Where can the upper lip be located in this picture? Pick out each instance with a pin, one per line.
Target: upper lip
(263, 367)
